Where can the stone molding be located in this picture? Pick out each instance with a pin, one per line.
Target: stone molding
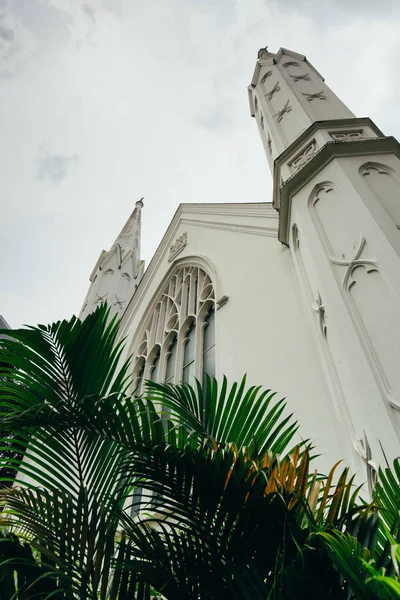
(180, 244)
(328, 152)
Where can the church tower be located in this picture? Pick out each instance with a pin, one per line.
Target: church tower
(337, 193)
(117, 273)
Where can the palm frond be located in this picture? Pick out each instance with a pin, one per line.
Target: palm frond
(246, 417)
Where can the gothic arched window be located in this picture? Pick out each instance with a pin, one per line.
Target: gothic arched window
(177, 341)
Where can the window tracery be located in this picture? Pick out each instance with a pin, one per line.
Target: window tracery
(178, 339)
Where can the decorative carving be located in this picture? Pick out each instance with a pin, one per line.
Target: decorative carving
(101, 298)
(177, 248)
(363, 450)
(339, 401)
(354, 263)
(275, 89)
(263, 53)
(119, 302)
(372, 301)
(315, 96)
(346, 136)
(301, 159)
(269, 143)
(262, 121)
(255, 104)
(304, 77)
(184, 302)
(290, 63)
(320, 309)
(222, 301)
(330, 211)
(385, 185)
(286, 109)
(265, 76)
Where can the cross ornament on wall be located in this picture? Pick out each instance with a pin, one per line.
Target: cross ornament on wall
(315, 96)
(354, 262)
(304, 77)
(286, 109)
(275, 89)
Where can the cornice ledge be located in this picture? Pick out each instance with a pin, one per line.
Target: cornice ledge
(244, 209)
(307, 133)
(236, 227)
(331, 150)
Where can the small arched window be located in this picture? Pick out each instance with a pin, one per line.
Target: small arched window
(177, 342)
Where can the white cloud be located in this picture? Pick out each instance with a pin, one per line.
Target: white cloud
(53, 166)
(17, 43)
(151, 95)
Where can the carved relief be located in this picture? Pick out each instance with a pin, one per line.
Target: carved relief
(340, 406)
(304, 77)
(275, 89)
(320, 309)
(314, 96)
(290, 63)
(179, 245)
(265, 76)
(119, 302)
(255, 104)
(334, 223)
(301, 159)
(269, 143)
(262, 121)
(100, 298)
(385, 187)
(372, 301)
(346, 136)
(286, 109)
(123, 290)
(353, 263)
(263, 53)
(363, 450)
(104, 286)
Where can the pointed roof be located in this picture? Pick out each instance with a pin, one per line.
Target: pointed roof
(129, 238)
(265, 57)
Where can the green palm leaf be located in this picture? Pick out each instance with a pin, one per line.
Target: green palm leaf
(246, 417)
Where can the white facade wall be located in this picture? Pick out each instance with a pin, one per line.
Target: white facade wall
(262, 330)
(337, 191)
(350, 252)
(315, 318)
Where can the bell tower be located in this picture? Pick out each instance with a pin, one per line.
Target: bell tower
(117, 273)
(337, 190)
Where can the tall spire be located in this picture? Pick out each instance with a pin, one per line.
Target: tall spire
(129, 238)
(287, 95)
(337, 190)
(117, 273)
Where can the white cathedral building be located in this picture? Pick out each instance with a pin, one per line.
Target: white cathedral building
(302, 294)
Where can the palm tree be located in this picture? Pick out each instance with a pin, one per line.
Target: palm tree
(228, 507)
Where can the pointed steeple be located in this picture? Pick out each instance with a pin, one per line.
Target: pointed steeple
(117, 273)
(129, 238)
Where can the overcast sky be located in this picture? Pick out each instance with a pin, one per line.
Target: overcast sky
(105, 101)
